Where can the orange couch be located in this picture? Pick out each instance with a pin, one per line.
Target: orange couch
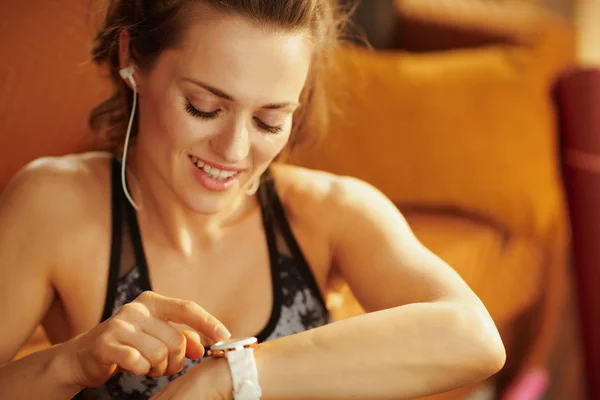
(464, 141)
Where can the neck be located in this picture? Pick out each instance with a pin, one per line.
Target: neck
(169, 222)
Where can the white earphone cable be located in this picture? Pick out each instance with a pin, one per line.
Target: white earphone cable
(124, 158)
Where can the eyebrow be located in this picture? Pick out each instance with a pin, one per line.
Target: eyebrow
(223, 95)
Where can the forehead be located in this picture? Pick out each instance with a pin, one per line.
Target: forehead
(243, 59)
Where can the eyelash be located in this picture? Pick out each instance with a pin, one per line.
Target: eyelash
(193, 111)
(267, 128)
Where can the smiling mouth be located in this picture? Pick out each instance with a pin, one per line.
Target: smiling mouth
(213, 172)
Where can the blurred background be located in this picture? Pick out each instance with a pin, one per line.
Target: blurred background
(480, 119)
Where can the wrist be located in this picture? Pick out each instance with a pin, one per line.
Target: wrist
(61, 366)
(219, 376)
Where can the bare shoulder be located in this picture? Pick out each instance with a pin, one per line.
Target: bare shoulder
(325, 192)
(329, 212)
(332, 207)
(72, 168)
(57, 200)
(341, 208)
(59, 186)
(303, 190)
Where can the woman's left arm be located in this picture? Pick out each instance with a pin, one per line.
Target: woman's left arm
(425, 331)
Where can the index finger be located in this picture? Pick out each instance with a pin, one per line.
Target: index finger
(188, 313)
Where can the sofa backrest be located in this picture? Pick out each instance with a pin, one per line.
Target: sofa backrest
(48, 84)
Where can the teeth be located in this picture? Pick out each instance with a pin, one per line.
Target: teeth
(212, 171)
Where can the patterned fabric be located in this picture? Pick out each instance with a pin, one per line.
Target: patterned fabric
(299, 310)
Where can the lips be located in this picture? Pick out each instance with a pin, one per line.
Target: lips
(212, 171)
(213, 176)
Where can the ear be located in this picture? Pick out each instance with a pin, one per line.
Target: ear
(124, 55)
(123, 49)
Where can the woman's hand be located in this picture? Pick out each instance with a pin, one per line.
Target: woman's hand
(138, 338)
(209, 380)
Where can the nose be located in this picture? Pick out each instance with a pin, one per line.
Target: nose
(232, 142)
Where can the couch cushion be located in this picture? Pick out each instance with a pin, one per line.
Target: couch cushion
(36, 342)
(504, 270)
(470, 129)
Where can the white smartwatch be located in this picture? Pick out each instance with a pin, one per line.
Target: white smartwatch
(242, 365)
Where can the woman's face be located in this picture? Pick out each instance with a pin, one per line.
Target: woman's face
(215, 111)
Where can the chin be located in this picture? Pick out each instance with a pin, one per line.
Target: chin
(208, 203)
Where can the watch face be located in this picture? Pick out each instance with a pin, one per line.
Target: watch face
(233, 343)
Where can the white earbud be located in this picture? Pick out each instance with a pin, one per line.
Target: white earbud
(127, 74)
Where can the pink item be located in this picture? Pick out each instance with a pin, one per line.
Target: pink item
(531, 386)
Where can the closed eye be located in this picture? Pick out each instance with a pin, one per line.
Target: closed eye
(267, 128)
(193, 111)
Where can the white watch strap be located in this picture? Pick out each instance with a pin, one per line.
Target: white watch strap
(244, 374)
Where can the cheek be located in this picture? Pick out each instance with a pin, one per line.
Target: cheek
(169, 122)
(267, 147)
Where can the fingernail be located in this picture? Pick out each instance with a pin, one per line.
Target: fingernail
(222, 332)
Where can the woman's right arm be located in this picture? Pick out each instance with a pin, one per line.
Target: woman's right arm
(37, 210)
(27, 232)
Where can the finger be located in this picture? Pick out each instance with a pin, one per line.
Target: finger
(185, 312)
(128, 358)
(194, 349)
(152, 349)
(205, 341)
(172, 338)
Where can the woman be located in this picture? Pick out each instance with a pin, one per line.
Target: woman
(136, 259)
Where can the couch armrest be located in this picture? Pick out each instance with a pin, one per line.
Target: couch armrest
(431, 25)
